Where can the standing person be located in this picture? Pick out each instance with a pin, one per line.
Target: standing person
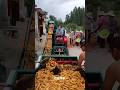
(112, 74)
(70, 37)
(74, 37)
(67, 36)
(102, 28)
(81, 60)
(113, 26)
(77, 40)
(88, 26)
(81, 35)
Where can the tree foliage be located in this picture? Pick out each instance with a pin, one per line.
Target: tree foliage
(75, 19)
(57, 21)
(76, 16)
(105, 5)
(71, 27)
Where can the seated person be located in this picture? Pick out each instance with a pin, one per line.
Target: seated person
(60, 31)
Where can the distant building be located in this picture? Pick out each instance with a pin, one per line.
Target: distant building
(40, 20)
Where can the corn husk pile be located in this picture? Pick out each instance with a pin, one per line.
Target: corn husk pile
(67, 79)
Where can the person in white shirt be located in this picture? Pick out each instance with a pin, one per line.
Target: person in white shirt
(60, 31)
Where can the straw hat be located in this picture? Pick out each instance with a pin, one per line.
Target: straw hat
(111, 13)
(102, 13)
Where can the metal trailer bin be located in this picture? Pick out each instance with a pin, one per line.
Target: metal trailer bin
(58, 50)
(18, 80)
(93, 80)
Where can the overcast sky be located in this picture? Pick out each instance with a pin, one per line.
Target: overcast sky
(59, 8)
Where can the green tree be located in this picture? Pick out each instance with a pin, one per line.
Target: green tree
(71, 27)
(56, 21)
(76, 16)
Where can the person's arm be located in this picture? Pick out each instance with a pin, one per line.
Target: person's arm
(109, 79)
(98, 25)
(81, 58)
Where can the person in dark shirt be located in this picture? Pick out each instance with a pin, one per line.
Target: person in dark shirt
(102, 26)
(113, 26)
(88, 25)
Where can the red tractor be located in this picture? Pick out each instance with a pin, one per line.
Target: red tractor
(60, 40)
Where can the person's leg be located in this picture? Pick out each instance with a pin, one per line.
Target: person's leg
(76, 44)
(102, 43)
(70, 41)
(86, 36)
(109, 39)
(98, 39)
(89, 35)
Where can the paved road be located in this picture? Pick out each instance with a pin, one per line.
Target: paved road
(98, 60)
(75, 51)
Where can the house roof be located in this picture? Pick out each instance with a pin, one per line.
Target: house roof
(39, 10)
